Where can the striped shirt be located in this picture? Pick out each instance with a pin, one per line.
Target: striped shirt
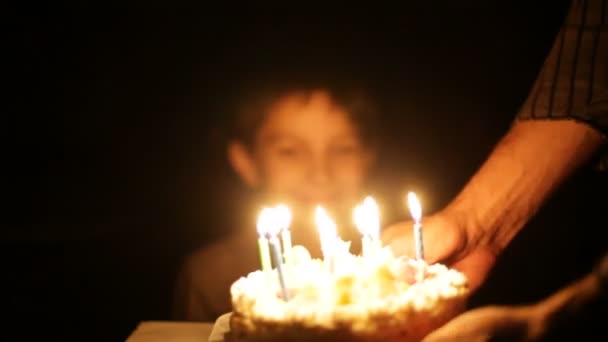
(573, 81)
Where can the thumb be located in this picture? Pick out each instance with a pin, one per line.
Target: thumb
(400, 238)
(442, 240)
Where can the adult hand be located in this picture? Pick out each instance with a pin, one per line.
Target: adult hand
(491, 323)
(444, 241)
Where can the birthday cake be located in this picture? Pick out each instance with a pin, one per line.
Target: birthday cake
(378, 297)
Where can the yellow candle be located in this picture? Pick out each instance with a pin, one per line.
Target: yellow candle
(264, 254)
(264, 226)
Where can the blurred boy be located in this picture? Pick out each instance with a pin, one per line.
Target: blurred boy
(298, 144)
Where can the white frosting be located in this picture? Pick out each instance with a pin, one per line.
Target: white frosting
(360, 293)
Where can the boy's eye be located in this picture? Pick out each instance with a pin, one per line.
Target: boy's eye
(346, 149)
(287, 151)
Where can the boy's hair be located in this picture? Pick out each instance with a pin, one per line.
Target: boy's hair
(257, 97)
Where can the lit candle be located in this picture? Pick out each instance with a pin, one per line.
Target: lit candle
(359, 218)
(284, 218)
(273, 232)
(328, 234)
(416, 211)
(264, 226)
(367, 220)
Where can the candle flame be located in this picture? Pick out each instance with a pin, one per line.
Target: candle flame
(283, 216)
(327, 227)
(414, 205)
(264, 221)
(367, 218)
(268, 222)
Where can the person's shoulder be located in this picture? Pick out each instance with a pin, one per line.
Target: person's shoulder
(222, 251)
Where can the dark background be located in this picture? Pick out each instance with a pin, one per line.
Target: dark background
(113, 159)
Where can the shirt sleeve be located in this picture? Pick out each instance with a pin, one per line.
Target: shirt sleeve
(573, 81)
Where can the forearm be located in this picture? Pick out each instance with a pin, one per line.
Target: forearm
(526, 166)
(536, 155)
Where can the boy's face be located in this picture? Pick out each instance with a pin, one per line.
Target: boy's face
(308, 152)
